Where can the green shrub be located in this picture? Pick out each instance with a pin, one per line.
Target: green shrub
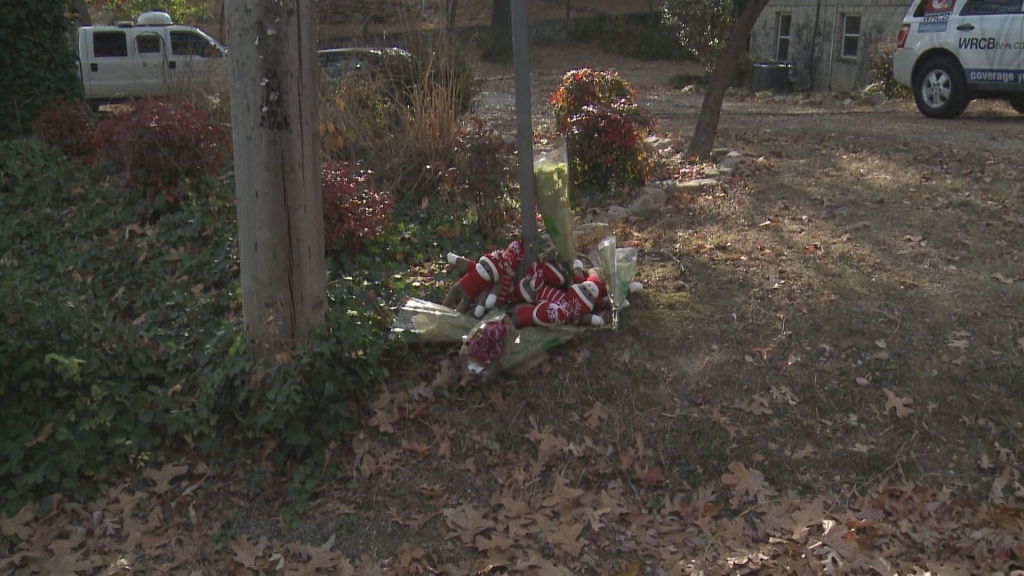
(881, 53)
(39, 64)
(121, 339)
(604, 130)
(703, 26)
(644, 35)
(482, 180)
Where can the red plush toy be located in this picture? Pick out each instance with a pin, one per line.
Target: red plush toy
(555, 307)
(485, 280)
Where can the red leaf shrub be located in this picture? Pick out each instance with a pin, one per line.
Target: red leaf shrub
(604, 129)
(480, 178)
(67, 126)
(354, 211)
(160, 145)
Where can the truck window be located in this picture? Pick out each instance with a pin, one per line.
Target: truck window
(983, 7)
(109, 44)
(147, 44)
(188, 44)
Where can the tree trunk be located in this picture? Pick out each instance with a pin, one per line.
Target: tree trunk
(501, 30)
(721, 77)
(449, 17)
(81, 10)
(274, 117)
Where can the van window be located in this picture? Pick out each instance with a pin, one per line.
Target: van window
(188, 44)
(983, 7)
(147, 43)
(109, 44)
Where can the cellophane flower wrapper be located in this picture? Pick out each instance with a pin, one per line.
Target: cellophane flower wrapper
(551, 186)
(521, 349)
(432, 322)
(618, 266)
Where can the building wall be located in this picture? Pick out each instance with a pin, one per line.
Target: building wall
(816, 34)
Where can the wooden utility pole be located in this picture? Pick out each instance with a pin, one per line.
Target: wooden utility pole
(275, 116)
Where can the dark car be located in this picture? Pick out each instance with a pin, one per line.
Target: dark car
(393, 63)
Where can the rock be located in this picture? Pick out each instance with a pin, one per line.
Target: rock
(614, 215)
(731, 160)
(718, 153)
(876, 99)
(643, 205)
(651, 198)
(698, 184)
(669, 186)
(848, 102)
(586, 236)
(712, 172)
(659, 144)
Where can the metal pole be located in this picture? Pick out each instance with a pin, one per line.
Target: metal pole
(524, 127)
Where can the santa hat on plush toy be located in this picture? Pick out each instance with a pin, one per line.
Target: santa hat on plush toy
(506, 260)
(581, 297)
(488, 268)
(545, 274)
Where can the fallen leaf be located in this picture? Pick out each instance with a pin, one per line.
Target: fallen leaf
(957, 343)
(566, 537)
(497, 541)
(747, 484)
(163, 477)
(757, 405)
(467, 521)
(595, 416)
(900, 404)
(654, 477)
(432, 490)
(408, 554)
(384, 419)
(42, 436)
(16, 525)
(561, 493)
(248, 550)
(804, 452)
(631, 570)
(861, 381)
(998, 276)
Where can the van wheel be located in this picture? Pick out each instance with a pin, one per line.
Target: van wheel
(940, 88)
(1017, 103)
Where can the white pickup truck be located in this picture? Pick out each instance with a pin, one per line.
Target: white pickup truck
(145, 58)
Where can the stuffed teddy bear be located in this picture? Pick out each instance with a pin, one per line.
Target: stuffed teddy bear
(484, 281)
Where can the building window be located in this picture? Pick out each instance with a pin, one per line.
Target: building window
(782, 47)
(851, 36)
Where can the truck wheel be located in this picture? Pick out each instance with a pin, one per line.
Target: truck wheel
(940, 88)
(1017, 103)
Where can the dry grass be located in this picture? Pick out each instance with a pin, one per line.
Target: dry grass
(203, 91)
(402, 128)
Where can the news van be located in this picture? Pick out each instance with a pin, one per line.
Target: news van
(145, 58)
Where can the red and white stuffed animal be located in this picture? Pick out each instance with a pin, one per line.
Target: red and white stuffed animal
(554, 307)
(484, 281)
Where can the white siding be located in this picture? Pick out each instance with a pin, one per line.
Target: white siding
(816, 41)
